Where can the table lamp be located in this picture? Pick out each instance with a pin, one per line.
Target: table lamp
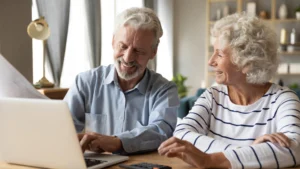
(39, 29)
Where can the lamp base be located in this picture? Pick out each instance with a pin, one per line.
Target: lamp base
(43, 83)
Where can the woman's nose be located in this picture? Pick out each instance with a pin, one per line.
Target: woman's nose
(211, 61)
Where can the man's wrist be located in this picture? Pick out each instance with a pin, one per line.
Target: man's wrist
(118, 144)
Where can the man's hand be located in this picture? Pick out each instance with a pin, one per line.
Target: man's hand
(99, 143)
(278, 138)
(184, 150)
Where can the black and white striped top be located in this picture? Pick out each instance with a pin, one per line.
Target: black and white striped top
(215, 124)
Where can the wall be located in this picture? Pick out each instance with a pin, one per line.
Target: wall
(15, 44)
(189, 41)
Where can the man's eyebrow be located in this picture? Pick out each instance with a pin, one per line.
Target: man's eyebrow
(122, 43)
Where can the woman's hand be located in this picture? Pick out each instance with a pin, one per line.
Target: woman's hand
(184, 150)
(278, 138)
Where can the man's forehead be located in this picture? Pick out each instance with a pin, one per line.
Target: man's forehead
(128, 29)
(128, 34)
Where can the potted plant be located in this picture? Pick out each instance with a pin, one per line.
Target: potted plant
(298, 13)
(179, 80)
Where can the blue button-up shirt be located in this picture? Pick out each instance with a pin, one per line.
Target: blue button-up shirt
(142, 117)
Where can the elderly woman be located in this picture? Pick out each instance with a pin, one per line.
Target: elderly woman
(246, 122)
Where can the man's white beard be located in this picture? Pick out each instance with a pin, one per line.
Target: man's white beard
(123, 74)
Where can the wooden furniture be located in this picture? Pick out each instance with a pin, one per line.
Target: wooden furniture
(271, 7)
(153, 157)
(54, 93)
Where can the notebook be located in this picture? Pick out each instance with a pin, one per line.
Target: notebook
(41, 133)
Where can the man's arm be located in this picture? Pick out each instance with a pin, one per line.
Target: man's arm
(75, 101)
(161, 124)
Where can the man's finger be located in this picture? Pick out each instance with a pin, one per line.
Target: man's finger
(95, 146)
(85, 141)
(80, 135)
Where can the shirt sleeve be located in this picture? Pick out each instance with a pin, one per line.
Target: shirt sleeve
(76, 104)
(162, 121)
(195, 126)
(267, 154)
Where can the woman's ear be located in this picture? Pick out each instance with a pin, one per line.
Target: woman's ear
(245, 70)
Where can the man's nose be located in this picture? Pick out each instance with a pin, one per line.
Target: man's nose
(129, 55)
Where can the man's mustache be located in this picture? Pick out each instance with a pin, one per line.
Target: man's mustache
(134, 63)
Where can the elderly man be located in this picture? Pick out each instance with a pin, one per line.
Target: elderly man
(128, 107)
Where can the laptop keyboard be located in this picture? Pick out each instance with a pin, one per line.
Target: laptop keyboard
(92, 162)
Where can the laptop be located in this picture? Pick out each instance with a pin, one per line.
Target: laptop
(41, 133)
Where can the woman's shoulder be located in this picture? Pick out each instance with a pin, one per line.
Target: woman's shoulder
(218, 90)
(281, 93)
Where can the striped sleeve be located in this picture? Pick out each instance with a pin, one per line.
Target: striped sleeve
(267, 154)
(195, 126)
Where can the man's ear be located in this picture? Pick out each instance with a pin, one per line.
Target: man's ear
(154, 52)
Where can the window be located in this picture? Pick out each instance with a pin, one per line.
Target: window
(77, 48)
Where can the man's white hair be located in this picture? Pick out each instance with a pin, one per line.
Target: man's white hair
(253, 44)
(143, 18)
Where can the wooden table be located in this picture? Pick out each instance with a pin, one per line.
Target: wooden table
(153, 157)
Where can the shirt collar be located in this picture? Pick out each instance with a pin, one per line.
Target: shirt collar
(142, 85)
(110, 77)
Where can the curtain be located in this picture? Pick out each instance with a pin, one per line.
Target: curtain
(165, 54)
(151, 4)
(56, 13)
(93, 13)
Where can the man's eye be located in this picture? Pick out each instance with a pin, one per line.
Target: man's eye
(123, 47)
(139, 52)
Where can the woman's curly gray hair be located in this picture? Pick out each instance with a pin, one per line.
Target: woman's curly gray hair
(253, 44)
(144, 18)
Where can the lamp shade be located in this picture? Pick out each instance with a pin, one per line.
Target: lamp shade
(38, 29)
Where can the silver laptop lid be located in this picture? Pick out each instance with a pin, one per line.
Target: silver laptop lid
(38, 133)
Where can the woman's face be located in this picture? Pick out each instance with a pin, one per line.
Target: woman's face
(225, 71)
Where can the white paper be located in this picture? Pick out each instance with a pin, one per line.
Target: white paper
(14, 84)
